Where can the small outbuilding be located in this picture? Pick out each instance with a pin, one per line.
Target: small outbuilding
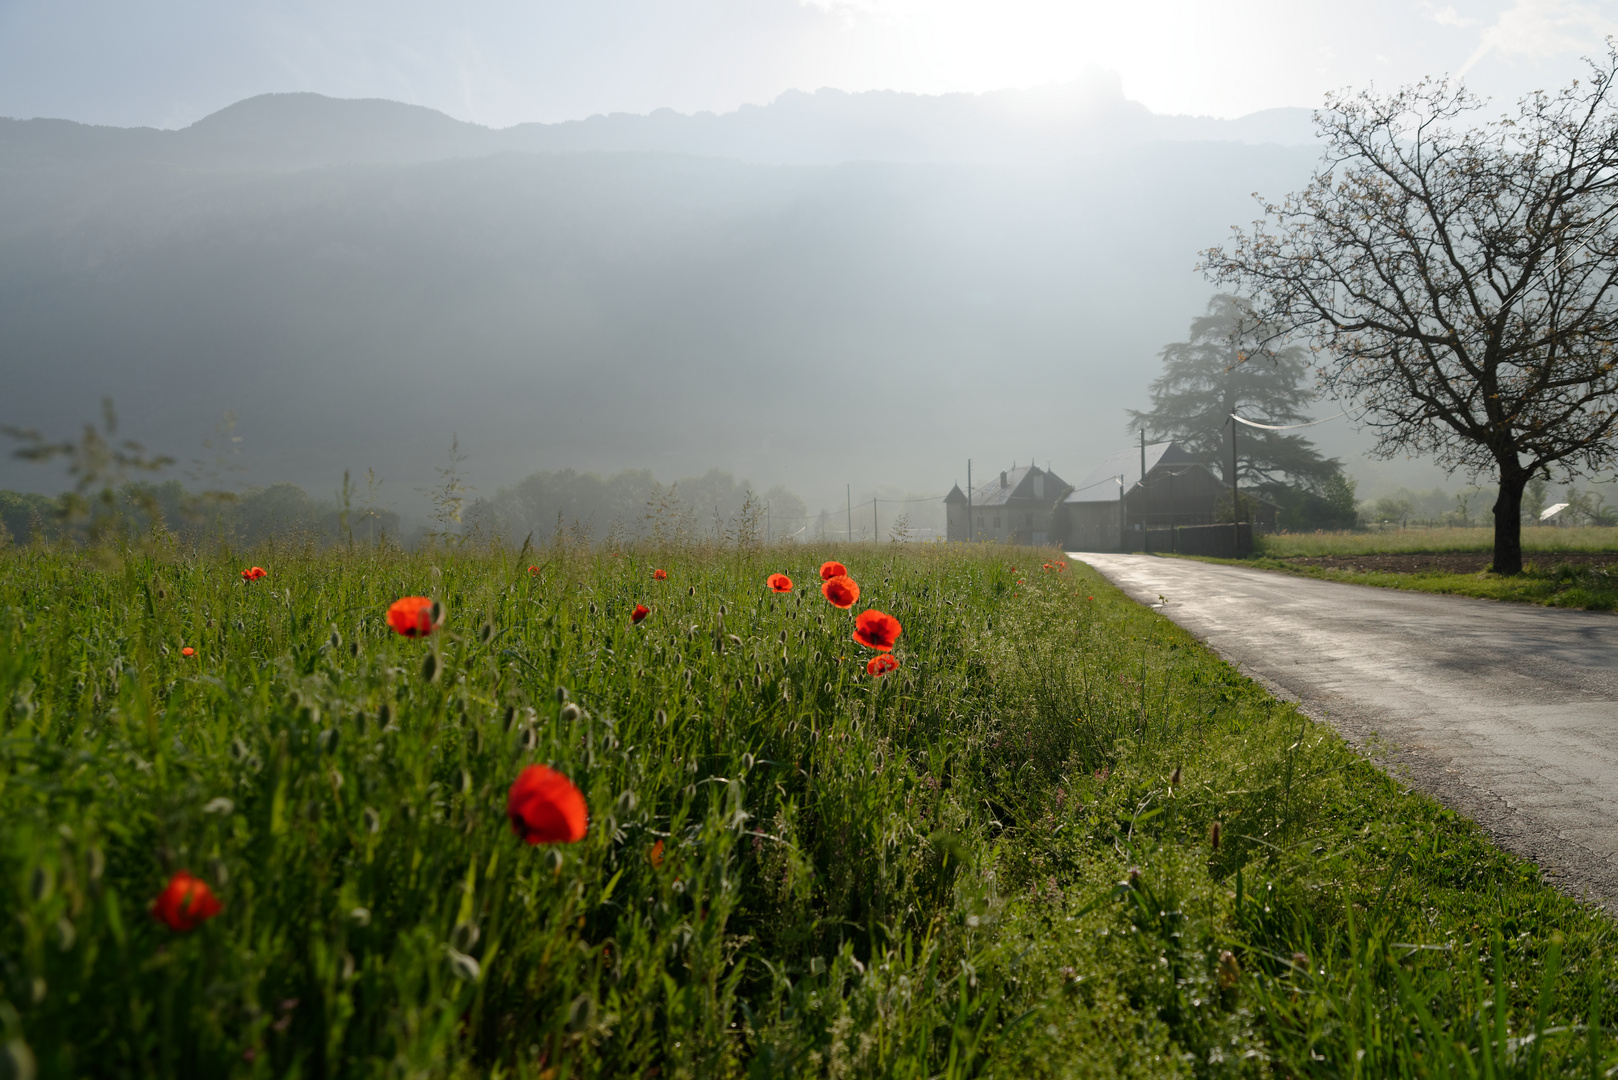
(1018, 507)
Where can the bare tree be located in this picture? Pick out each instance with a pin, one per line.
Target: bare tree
(1456, 279)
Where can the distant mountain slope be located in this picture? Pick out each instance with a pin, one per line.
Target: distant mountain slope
(812, 324)
(295, 131)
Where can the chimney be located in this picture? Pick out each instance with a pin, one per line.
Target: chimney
(1003, 481)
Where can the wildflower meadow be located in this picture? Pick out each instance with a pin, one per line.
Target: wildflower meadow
(684, 811)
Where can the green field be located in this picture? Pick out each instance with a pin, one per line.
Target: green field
(1000, 859)
(1535, 538)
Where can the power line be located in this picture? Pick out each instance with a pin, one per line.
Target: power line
(1282, 427)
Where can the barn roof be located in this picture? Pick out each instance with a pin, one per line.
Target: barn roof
(1019, 485)
(1100, 483)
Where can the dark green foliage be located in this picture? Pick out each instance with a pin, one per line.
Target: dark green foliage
(1223, 368)
(993, 861)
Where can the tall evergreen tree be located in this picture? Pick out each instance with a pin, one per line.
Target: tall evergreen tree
(1225, 367)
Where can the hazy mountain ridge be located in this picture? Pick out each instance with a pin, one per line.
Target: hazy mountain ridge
(303, 130)
(869, 322)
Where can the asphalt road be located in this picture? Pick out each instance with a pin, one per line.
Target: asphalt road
(1507, 713)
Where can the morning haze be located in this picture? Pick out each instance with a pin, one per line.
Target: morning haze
(836, 289)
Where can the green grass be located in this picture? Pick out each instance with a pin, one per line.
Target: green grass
(979, 865)
(1544, 581)
(1535, 538)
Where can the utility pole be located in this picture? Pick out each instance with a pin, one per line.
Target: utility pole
(766, 523)
(1235, 504)
(874, 533)
(969, 500)
(848, 493)
(1121, 546)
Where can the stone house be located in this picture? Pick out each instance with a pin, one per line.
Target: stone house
(1017, 507)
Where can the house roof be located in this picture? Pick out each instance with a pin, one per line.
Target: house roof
(1019, 485)
(956, 495)
(1099, 484)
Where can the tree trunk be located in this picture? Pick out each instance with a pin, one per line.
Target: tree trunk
(1508, 521)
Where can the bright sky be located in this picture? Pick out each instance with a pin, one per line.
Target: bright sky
(500, 62)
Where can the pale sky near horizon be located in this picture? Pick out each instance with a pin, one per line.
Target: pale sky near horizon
(501, 62)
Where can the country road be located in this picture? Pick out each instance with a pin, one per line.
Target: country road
(1507, 713)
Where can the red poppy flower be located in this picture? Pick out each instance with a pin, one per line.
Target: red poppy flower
(640, 612)
(188, 651)
(1060, 566)
(533, 569)
(660, 575)
(185, 903)
(545, 807)
(253, 573)
(412, 616)
(877, 630)
(1046, 567)
(655, 856)
(841, 590)
(881, 664)
(780, 583)
(832, 569)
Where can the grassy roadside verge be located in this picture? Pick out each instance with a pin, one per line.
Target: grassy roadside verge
(998, 860)
(1545, 580)
(1537, 540)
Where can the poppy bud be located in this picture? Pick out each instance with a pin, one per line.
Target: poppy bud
(661, 717)
(1174, 777)
(571, 713)
(464, 937)
(360, 916)
(561, 693)
(437, 612)
(16, 1059)
(1229, 970)
(384, 714)
(373, 821)
(429, 668)
(335, 638)
(41, 884)
(1213, 836)
(486, 632)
